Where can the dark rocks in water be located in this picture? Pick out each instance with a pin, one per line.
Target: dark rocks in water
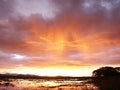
(6, 84)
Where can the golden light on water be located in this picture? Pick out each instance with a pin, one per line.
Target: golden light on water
(50, 83)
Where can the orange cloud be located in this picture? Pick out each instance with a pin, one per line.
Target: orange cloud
(77, 36)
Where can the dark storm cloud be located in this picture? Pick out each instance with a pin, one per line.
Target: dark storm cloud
(15, 32)
(6, 8)
(10, 36)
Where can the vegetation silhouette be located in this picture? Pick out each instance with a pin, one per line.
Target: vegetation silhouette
(106, 71)
(107, 78)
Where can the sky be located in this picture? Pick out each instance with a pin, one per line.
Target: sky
(59, 37)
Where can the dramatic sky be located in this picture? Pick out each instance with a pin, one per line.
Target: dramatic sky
(59, 37)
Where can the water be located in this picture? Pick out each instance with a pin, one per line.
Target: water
(44, 84)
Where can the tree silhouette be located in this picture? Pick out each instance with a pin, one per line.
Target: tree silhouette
(106, 71)
(105, 78)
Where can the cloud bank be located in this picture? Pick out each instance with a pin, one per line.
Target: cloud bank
(59, 32)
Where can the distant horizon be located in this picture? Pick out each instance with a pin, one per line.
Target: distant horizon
(40, 75)
(78, 75)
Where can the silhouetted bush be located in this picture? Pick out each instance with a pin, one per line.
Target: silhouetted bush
(106, 71)
(107, 78)
(107, 83)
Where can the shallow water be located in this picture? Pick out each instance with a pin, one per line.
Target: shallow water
(43, 84)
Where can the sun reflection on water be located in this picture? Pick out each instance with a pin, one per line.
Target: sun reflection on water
(50, 83)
